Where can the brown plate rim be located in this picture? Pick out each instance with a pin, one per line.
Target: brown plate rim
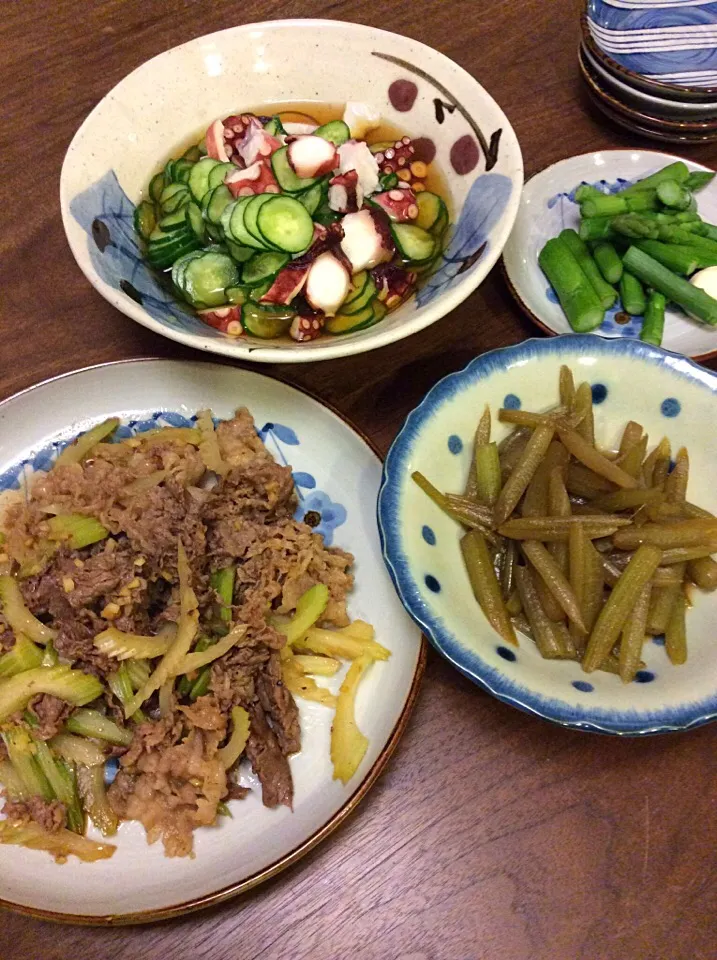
(342, 814)
(646, 130)
(636, 79)
(688, 126)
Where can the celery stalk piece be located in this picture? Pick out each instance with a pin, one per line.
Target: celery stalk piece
(92, 723)
(21, 753)
(61, 681)
(62, 843)
(77, 750)
(76, 530)
(186, 632)
(309, 609)
(78, 450)
(18, 616)
(223, 583)
(124, 646)
(234, 747)
(24, 655)
(91, 783)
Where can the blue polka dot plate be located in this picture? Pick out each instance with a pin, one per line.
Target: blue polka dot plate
(548, 206)
(670, 396)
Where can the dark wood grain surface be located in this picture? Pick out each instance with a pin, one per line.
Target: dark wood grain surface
(492, 836)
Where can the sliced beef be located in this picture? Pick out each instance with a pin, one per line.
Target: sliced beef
(52, 713)
(279, 706)
(171, 779)
(238, 440)
(269, 763)
(50, 814)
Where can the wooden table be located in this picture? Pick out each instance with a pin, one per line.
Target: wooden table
(491, 835)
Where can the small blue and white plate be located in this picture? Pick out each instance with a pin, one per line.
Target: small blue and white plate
(670, 396)
(547, 206)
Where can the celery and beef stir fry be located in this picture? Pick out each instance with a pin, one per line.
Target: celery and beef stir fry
(641, 244)
(160, 607)
(271, 228)
(585, 551)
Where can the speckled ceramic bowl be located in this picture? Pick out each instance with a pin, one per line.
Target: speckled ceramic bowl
(670, 396)
(169, 98)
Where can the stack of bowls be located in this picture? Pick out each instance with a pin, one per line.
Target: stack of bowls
(651, 65)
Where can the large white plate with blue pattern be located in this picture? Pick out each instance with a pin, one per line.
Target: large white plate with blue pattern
(670, 396)
(337, 476)
(547, 206)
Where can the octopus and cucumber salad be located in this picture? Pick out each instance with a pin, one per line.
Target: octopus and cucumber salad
(276, 227)
(162, 603)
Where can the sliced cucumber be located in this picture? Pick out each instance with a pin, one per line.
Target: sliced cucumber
(335, 131)
(193, 153)
(274, 127)
(285, 224)
(251, 212)
(233, 224)
(325, 215)
(145, 219)
(163, 249)
(217, 174)
(258, 292)
(285, 176)
(379, 312)
(182, 169)
(174, 197)
(267, 323)
(196, 221)
(414, 243)
(363, 300)
(156, 185)
(313, 197)
(215, 203)
(358, 283)
(263, 266)
(387, 181)
(430, 209)
(237, 252)
(180, 265)
(206, 278)
(381, 146)
(199, 177)
(169, 171)
(237, 294)
(172, 222)
(441, 225)
(215, 233)
(347, 323)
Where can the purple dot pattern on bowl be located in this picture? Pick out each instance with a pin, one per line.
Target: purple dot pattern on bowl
(583, 686)
(432, 584)
(511, 402)
(670, 407)
(506, 654)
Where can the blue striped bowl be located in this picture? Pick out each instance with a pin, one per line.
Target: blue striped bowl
(668, 47)
(670, 396)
